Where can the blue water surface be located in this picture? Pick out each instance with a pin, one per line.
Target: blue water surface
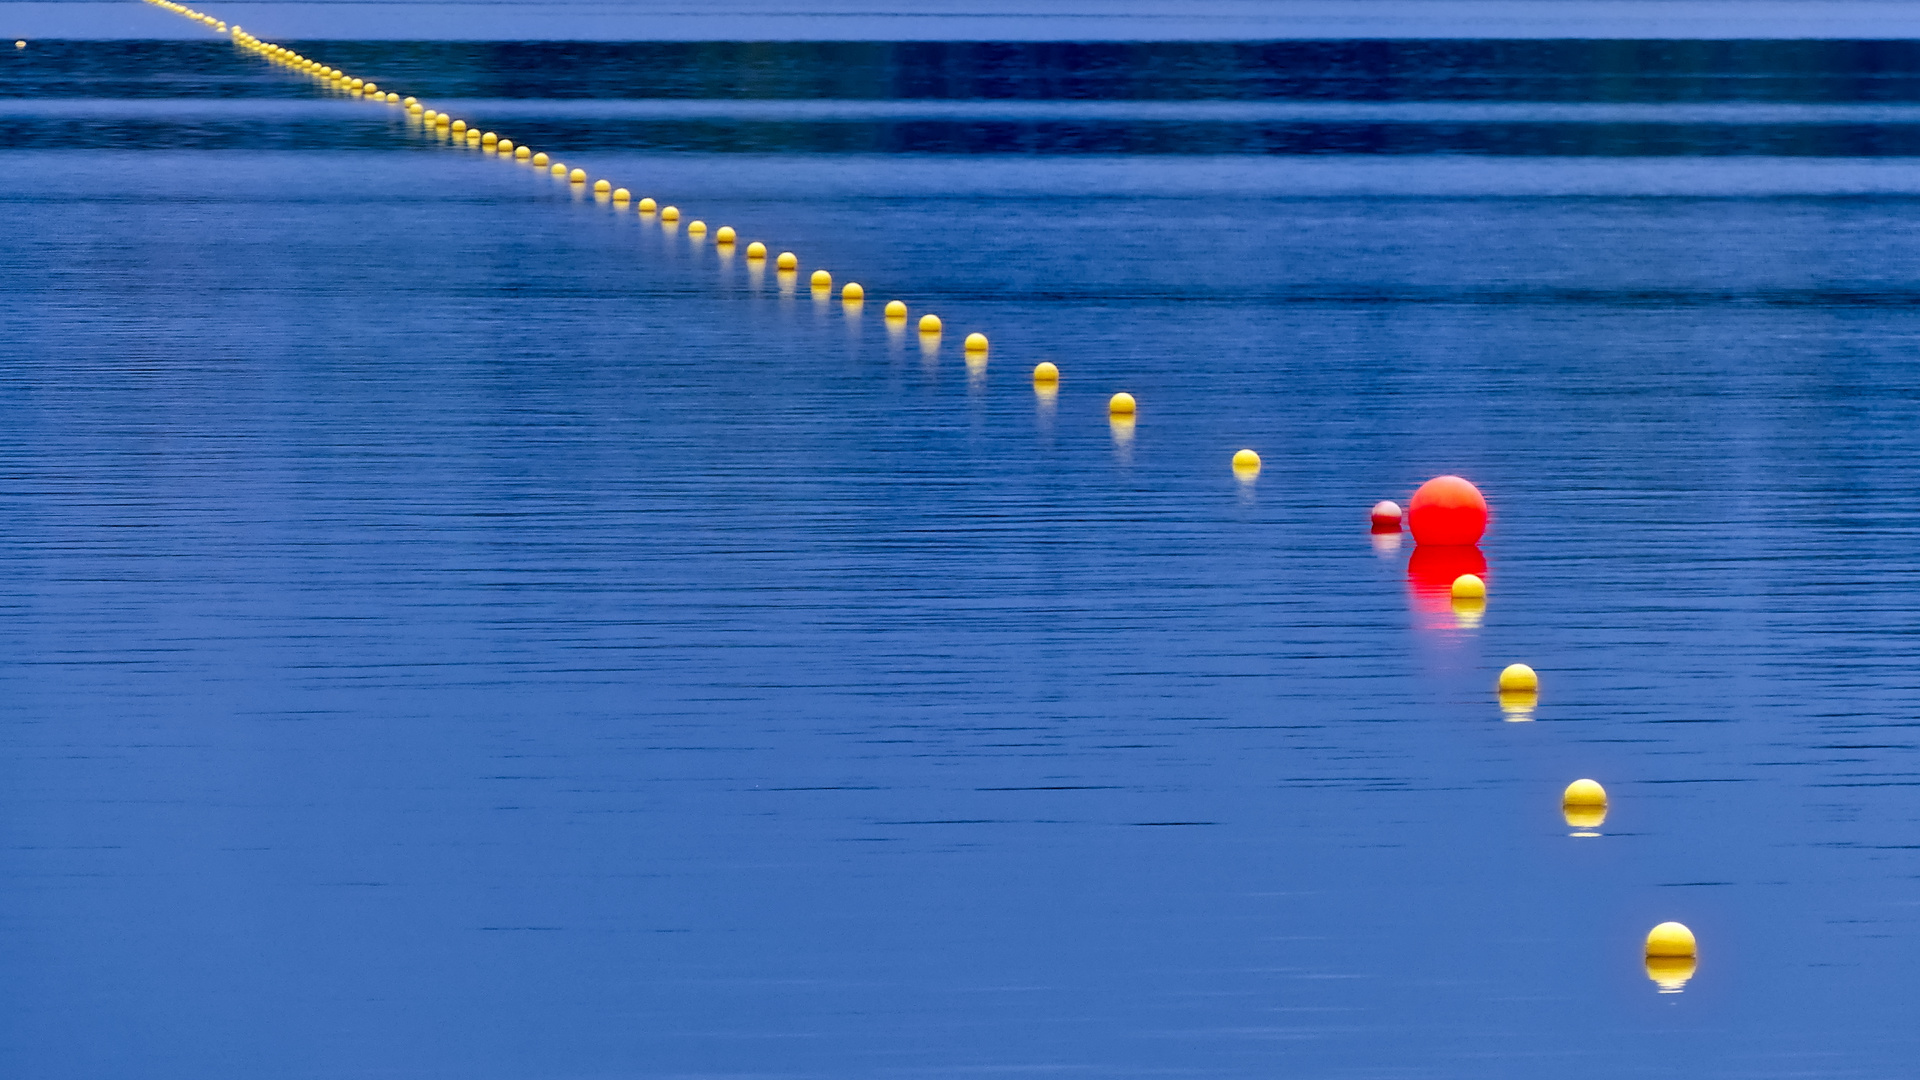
(457, 627)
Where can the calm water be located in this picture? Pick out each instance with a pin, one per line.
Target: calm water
(454, 629)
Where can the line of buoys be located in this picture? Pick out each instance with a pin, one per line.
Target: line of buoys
(1448, 515)
(1446, 512)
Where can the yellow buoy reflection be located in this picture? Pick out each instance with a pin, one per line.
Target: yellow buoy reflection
(1468, 611)
(1519, 704)
(1670, 973)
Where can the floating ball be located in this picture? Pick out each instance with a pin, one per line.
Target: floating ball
(621, 195)
(413, 101)
(821, 280)
(1121, 404)
(1584, 793)
(600, 187)
(976, 343)
(558, 169)
(1584, 804)
(1469, 587)
(1246, 461)
(459, 127)
(787, 260)
(577, 176)
(724, 235)
(1447, 511)
(490, 139)
(756, 250)
(645, 206)
(929, 323)
(1670, 939)
(1046, 372)
(853, 293)
(1386, 517)
(392, 98)
(896, 309)
(504, 146)
(696, 228)
(540, 158)
(1519, 678)
(520, 153)
(669, 213)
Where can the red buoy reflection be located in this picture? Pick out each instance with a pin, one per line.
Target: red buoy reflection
(1431, 570)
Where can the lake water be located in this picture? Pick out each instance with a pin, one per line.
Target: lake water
(455, 628)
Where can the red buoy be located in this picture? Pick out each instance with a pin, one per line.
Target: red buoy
(1447, 511)
(1386, 517)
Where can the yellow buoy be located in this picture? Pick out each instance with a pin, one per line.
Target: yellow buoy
(696, 228)
(1670, 939)
(1046, 372)
(896, 309)
(558, 169)
(504, 146)
(600, 187)
(1584, 804)
(723, 235)
(1519, 678)
(520, 153)
(413, 101)
(473, 136)
(1121, 404)
(669, 213)
(577, 176)
(355, 83)
(441, 119)
(622, 195)
(392, 98)
(821, 280)
(540, 158)
(786, 261)
(1246, 461)
(645, 206)
(489, 139)
(756, 250)
(976, 342)
(459, 127)
(371, 88)
(853, 292)
(1469, 587)
(929, 323)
